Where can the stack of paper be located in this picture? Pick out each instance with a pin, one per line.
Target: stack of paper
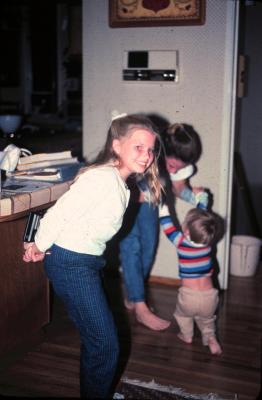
(39, 174)
(43, 160)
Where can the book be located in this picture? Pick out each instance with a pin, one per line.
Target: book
(45, 157)
(46, 163)
(43, 174)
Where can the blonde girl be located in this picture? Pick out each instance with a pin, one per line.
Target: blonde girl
(75, 231)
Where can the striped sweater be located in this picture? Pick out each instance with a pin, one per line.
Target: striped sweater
(194, 260)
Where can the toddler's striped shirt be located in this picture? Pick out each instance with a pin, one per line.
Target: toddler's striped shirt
(194, 260)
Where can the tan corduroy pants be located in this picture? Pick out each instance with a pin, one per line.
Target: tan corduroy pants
(197, 306)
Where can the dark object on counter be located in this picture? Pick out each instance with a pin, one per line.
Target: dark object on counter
(69, 172)
(3, 175)
(32, 224)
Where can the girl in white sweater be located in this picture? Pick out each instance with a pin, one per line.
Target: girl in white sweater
(75, 231)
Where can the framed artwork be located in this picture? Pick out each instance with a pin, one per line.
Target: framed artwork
(139, 13)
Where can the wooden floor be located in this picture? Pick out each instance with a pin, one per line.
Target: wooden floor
(50, 368)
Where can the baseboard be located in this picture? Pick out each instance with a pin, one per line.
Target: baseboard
(164, 281)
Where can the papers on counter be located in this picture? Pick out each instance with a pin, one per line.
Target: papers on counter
(45, 157)
(46, 163)
(42, 174)
(11, 187)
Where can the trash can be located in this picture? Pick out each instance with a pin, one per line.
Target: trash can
(244, 255)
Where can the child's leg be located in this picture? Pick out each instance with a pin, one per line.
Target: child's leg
(206, 320)
(184, 314)
(207, 328)
(214, 346)
(186, 326)
(76, 280)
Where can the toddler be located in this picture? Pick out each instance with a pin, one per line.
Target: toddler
(197, 298)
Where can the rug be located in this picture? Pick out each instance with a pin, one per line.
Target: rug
(134, 389)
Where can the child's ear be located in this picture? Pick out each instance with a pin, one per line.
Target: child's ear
(116, 146)
(185, 230)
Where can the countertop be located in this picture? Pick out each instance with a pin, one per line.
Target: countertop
(16, 205)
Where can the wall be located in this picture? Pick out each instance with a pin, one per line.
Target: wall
(202, 98)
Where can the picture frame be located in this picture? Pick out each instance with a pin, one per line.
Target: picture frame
(142, 13)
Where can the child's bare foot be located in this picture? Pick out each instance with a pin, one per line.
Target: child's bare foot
(150, 320)
(214, 346)
(129, 305)
(185, 339)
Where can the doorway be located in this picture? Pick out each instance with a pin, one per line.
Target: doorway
(41, 72)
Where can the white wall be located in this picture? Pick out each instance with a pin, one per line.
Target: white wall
(202, 97)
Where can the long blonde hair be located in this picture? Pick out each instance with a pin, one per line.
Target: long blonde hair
(119, 129)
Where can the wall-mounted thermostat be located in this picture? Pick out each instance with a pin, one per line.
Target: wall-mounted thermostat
(150, 65)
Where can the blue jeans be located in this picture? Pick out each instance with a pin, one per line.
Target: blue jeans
(138, 247)
(76, 280)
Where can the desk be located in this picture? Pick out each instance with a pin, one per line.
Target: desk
(24, 288)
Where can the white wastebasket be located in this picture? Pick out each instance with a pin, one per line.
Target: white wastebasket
(244, 255)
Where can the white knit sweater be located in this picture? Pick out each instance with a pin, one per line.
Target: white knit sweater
(88, 214)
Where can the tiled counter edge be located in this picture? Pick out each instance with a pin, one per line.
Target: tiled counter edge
(25, 201)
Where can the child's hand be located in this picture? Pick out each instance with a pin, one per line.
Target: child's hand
(163, 210)
(32, 253)
(202, 199)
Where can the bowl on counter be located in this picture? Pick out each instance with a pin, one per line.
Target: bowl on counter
(10, 123)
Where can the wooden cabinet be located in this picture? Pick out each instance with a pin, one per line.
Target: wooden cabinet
(24, 288)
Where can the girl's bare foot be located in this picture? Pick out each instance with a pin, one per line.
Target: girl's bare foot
(185, 339)
(129, 305)
(150, 320)
(214, 346)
